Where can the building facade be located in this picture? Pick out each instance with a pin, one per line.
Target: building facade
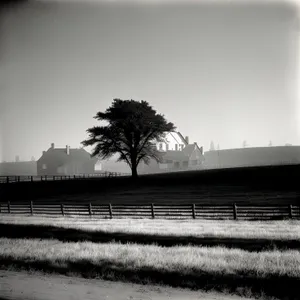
(65, 161)
(176, 154)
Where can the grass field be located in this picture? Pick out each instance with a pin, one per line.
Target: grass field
(240, 257)
(272, 230)
(251, 258)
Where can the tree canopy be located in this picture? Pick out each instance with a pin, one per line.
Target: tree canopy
(133, 129)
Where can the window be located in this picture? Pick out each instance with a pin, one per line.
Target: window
(44, 166)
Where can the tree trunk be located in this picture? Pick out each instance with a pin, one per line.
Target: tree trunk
(134, 165)
(134, 172)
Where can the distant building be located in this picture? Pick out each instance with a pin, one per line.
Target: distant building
(258, 156)
(172, 141)
(176, 154)
(65, 161)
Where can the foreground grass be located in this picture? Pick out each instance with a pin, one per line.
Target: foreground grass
(274, 273)
(216, 260)
(277, 230)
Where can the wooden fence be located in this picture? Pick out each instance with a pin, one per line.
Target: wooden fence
(193, 211)
(9, 179)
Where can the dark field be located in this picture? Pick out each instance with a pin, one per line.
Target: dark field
(252, 185)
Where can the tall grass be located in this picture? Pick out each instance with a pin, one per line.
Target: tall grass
(185, 260)
(280, 230)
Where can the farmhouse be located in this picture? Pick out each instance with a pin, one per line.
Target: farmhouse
(65, 161)
(172, 141)
(176, 154)
(258, 156)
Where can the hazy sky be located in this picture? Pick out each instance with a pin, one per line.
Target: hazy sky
(220, 72)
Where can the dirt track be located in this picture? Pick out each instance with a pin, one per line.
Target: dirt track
(21, 285)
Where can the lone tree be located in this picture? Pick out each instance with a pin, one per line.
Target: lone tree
(132, 130)
(212, 146)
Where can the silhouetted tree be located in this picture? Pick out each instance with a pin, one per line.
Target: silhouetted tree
(245, 144)
(212, 146)
(132, 131)
(270, 144)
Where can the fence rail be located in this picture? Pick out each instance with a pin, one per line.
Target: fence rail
(21, 178)
(193, 211)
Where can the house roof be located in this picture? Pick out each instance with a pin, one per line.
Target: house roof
(182, 138)
(61, 156)
(188, 149)
(177, 136)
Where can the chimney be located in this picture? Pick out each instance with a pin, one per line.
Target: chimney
(52, 145)
(68, 149)
(187, 139)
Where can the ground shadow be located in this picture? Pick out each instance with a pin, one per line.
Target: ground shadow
(241, 283)
(78, 235)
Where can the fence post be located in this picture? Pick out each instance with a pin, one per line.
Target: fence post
(62, 209)
(31, 207)
(18, 178)
(152, 211)
(7, 179)
(110, 211)
(53, 178)
(31, 178)
(60, 177)
(8, 206)
(193, 210)
(45, 177)
(90, 209)
(42, 178)
(74, 176)
(291, 211)
(234, 211)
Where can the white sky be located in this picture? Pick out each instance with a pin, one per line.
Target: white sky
(227, 83)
